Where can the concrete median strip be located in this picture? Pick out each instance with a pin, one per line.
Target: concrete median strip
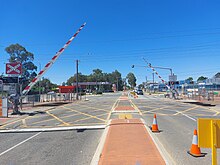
(53, 129)
(95, 159)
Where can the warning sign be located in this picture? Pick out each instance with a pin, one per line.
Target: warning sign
(14, 68)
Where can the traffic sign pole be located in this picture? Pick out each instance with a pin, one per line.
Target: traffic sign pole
(1, 84)
(213, 143)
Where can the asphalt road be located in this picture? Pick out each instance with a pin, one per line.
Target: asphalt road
(57, 147)
(63, 147)
(93, 111)
(176, 120)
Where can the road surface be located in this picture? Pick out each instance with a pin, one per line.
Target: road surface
(176, 120)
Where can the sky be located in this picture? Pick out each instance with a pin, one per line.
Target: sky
(182, 35)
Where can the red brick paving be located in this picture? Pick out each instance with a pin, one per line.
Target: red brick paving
(128, 143)
(124, 108)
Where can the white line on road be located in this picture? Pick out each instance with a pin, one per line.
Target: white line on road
(186, 116)
(19, 144)
(189, 117)
(95, 159)
(53, 129)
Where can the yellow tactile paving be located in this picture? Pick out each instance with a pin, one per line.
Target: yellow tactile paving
(125, 116)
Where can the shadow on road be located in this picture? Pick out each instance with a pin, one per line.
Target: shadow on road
(29, 113)
(51, 104)
(199, 103)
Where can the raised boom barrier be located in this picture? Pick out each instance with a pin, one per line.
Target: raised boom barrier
(50, 63)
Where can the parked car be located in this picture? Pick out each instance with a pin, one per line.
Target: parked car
(139, 92)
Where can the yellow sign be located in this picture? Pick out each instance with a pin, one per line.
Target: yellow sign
(125, 116)
(209, 136)
(204, 132)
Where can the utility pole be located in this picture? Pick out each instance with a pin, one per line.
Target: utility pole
(153, 82)
(39, 83)
(117, 83)
(77, 86)
(145, 88)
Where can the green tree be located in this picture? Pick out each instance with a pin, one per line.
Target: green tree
(117, 79)
(190, 79)
(81, 78)
(47, 85)
(19, 54)
(201, 79)
(131, 79)
(44, 86)
(97, 75)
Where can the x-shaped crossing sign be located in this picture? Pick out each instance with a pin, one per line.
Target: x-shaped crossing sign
(14, 68)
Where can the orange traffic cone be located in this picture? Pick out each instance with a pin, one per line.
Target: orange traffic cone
(195, 149)
(154, 127)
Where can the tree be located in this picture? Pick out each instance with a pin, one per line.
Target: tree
(201, 79)
(117, 79)
(141, 86)
(81, 78)
(97, 75)
(190, 79)
(47, 85)
(19, 54)
(131, 79)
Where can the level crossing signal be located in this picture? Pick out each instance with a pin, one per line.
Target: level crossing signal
(14, 68)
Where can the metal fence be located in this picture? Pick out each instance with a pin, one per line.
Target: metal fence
(34, 100)
(202, 94)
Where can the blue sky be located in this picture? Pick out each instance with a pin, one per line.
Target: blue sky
(183, 35)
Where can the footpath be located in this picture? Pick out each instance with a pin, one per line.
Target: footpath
(126, 140)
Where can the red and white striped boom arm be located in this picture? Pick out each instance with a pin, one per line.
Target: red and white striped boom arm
(50, 63)
(149, 65)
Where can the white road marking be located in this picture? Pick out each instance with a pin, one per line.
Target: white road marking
(98, 152)
(53, 129)
(189, 117)
(20, 143)
(186, 116)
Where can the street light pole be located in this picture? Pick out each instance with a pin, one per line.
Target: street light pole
(77, 90)
(153, 82)
(39, 83)
(170, 69)
(117, 83)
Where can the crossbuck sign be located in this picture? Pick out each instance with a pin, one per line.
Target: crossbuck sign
(14, 68)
